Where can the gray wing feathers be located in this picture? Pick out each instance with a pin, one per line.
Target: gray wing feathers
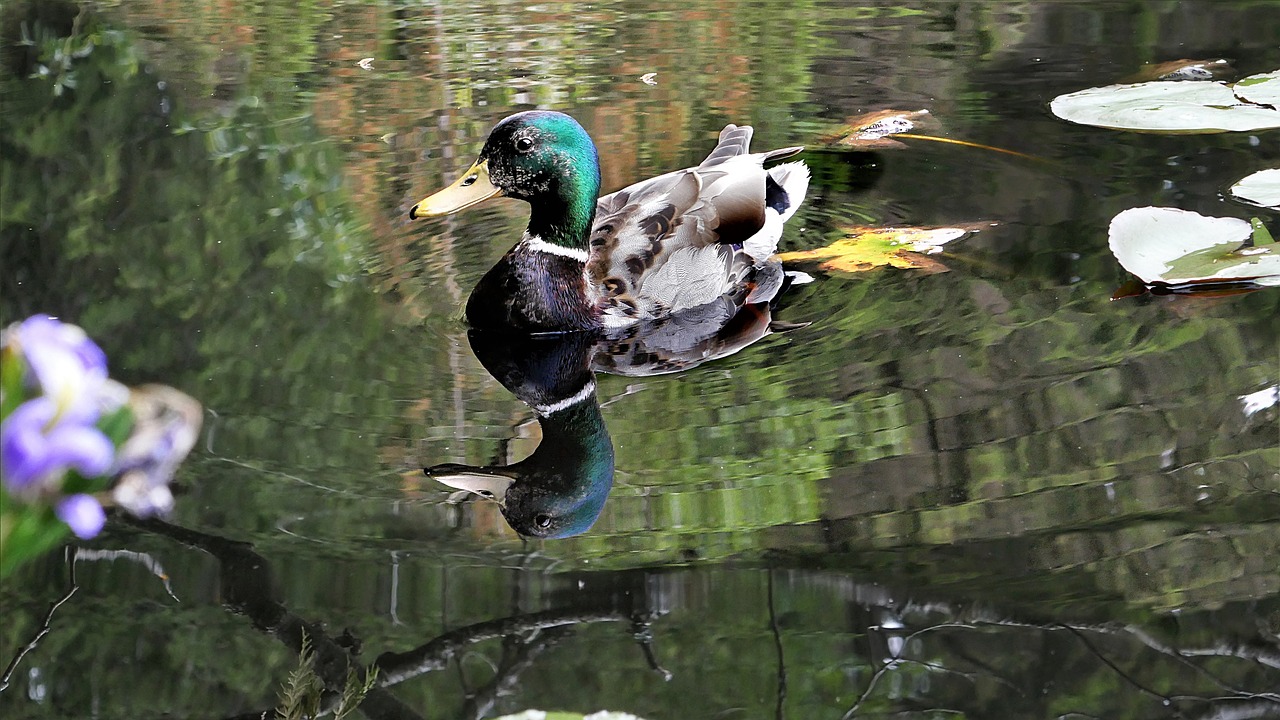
(691, 276)
(692, 237)
(735, 140)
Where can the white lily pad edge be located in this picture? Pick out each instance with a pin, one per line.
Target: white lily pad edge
(555, 715)
(1176, 107)
(1261, 188)
(1262, 89)
(1148, 240)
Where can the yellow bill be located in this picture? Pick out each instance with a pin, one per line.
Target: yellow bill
(472, 188)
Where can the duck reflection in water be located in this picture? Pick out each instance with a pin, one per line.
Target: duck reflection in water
(560, 489)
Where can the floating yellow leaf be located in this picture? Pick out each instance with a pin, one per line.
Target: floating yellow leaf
(865, 248)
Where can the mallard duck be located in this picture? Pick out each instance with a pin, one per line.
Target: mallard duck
(694, 241)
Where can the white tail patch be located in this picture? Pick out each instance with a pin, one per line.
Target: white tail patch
(794, 179)
(489, 485)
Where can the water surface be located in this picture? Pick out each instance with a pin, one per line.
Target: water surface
(991, 492)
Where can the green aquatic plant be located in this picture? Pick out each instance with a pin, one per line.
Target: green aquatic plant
(303, 693)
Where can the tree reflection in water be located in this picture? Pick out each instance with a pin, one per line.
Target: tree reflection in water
(920, 652)
(991, 492)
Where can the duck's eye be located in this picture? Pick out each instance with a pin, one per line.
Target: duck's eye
(542, 521)
(486, 493)
(471, 179)
(524, 144)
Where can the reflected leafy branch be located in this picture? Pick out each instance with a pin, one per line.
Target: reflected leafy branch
(1114, 667)
(517, 658)
(1181, 656)
(1233, 702)
(435, 654)
(935, 667)
(246, 581)
(1271, 659)
(46, 625)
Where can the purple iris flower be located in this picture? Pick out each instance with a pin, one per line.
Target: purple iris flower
(83, 514)
(37, 446)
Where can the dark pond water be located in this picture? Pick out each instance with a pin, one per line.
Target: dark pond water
(988, 493)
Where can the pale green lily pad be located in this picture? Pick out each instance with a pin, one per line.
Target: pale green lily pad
(1261, 188)
(544, 715)
(1166, 245)
(1197, 107)
(1261, 89)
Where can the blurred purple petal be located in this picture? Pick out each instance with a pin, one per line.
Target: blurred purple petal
(23, 455)
(32, 452)
(83, 514)
(68, 366)
(42, 333)
(84, 448)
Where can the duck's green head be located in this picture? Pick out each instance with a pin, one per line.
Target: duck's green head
(540, 156)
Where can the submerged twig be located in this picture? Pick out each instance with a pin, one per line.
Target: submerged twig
(777, 644)
(642, 631)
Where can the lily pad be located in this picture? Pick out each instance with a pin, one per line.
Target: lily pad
(544, 715)
(1197, 107)
(1261, 188)
(1261, 89)
(867, 248)
(1171, 246)
(1253, 403)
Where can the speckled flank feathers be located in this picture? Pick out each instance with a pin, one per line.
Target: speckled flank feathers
(689, 238)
